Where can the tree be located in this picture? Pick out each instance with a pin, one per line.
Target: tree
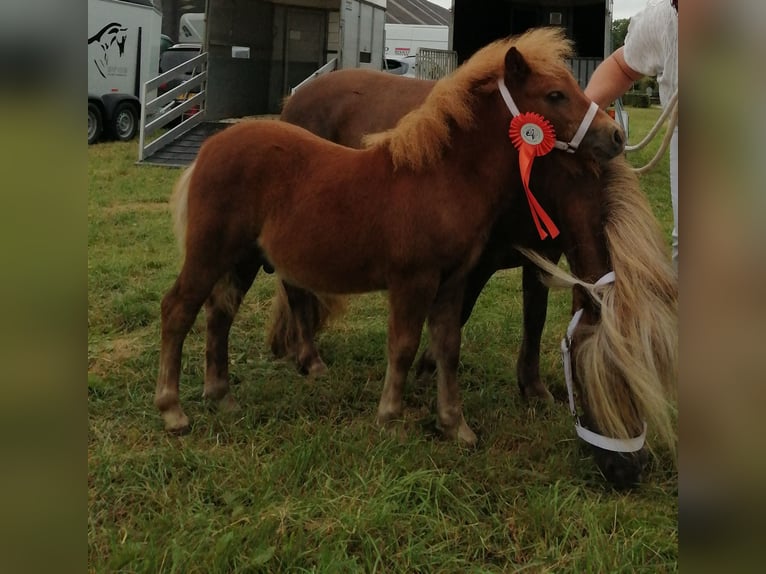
(619, 31)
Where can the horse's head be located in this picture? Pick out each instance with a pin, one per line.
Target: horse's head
(605, 403)
(620, 350)
(549, 89)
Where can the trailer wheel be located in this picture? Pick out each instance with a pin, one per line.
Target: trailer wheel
(95, 123)
(124, 122)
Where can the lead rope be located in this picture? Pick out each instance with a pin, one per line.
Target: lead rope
(593, 438)
(671, 110)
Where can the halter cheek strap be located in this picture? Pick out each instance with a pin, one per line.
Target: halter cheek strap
(574, 143)
(595, 439)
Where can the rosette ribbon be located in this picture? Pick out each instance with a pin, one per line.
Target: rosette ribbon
(533, 136)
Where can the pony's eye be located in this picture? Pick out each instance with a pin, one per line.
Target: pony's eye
(555, 97)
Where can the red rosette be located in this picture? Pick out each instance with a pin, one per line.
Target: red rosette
(531, 130)
(533, 136)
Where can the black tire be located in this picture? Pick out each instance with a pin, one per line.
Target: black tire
(124, 124)
(95, 123)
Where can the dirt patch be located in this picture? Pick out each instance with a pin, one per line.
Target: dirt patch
(114, 353)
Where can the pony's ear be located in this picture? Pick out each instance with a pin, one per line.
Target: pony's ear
(516, 68)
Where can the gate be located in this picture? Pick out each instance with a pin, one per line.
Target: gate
(432, 64)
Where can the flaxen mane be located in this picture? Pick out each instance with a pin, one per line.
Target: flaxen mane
(637, 337)
(419, 137)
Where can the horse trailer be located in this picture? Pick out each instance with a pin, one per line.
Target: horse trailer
(284, 41)
(253, 54)
(588, 23)
(123, 53)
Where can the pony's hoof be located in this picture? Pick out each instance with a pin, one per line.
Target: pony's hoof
(176, 421)
(228, 405)
(317, 369)
(466, 436)
(462, 433)
(543, 396)
(394, 428)
(311, 366)
(537, 392)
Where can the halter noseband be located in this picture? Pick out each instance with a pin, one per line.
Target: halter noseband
(595, 439)
(569, 147)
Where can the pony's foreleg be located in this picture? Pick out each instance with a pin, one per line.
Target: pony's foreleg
(408, 305)
(444, 328)
(475, 283)
(220, 309)
(535, 312)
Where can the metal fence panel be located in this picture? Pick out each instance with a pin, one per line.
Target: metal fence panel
(432, 64)
(583, 68)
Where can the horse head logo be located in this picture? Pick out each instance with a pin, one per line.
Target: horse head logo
(113, 34)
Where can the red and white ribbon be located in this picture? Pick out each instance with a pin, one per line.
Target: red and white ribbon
(533, 136)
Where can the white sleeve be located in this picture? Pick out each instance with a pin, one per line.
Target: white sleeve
(644, 49)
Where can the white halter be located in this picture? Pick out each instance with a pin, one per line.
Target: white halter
(604, 442)
(570, 147)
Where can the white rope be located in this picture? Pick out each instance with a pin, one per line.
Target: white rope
(671, 110)
(671, 107)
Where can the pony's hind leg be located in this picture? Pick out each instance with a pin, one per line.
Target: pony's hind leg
(444, 328)
(211, 252)
(535, 312)
(297, 316)
(304, 320)
(180, 306)
(220, 309)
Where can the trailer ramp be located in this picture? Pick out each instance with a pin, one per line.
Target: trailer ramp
(181, 151)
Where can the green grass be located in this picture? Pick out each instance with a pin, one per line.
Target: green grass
(300, 479)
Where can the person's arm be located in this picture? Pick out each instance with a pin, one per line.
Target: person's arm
(611, 79)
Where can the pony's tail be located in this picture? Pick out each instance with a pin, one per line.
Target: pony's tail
(284, 331)
(179, 206)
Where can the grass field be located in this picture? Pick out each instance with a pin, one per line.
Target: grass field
(300, 479)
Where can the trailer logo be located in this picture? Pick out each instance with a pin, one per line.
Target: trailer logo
(101, 44)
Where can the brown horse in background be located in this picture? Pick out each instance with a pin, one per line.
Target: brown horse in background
(345, 106)
(410, 214)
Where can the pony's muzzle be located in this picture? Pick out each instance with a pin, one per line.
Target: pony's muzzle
(618, 137)
(624, 471)
(611, 142)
